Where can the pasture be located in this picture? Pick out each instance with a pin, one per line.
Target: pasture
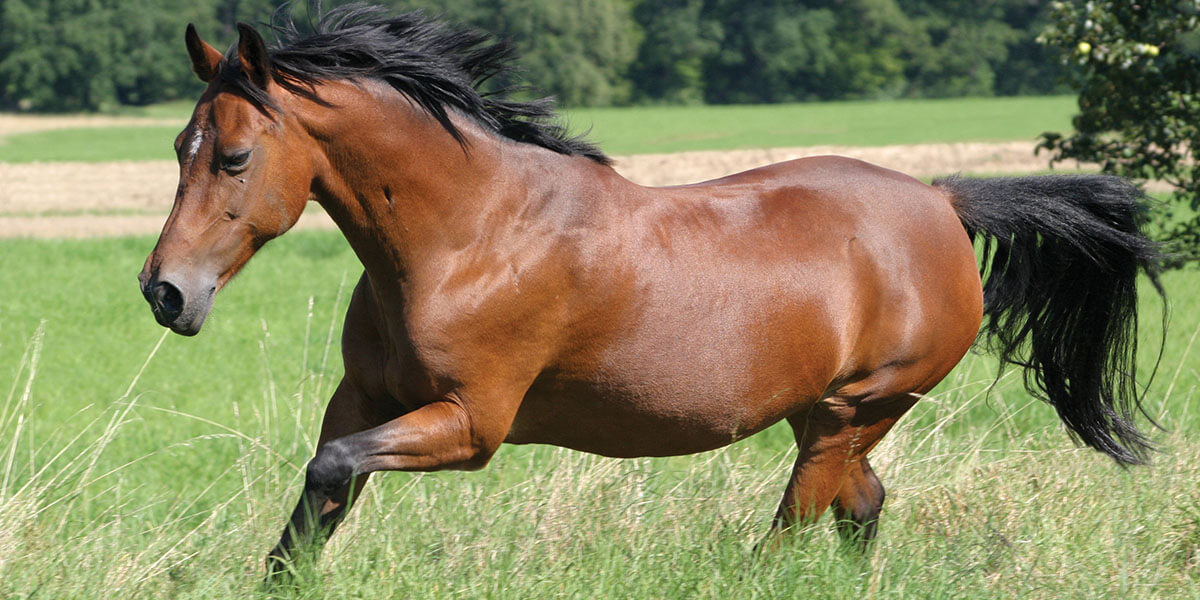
(643, 130)
(139, 465)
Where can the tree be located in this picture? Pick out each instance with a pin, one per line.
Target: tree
(964, 42)
(1137, 69)
(670, 61)
(149, 64)
(86, 54)
(577, 50)
(770, 51)
(52, 53)
(874, 41)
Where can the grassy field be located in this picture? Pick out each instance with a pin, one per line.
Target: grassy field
(656, 129)
(135, 465)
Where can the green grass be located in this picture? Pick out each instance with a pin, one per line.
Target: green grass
(864, 123)
(660, 129)
(91, 144)
(176, 109)
(132, 469)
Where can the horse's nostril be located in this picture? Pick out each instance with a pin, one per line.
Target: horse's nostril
(169, 300)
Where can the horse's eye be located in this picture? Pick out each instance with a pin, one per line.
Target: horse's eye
(235, 162)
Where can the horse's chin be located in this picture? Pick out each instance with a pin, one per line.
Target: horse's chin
(193, 317)
(187, 329)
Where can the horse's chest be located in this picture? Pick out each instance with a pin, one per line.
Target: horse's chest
(421, 363)
(383, 362)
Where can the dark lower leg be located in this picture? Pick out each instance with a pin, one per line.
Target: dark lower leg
(316, 516)
(432, 437)
(858, 503)
(322, 506)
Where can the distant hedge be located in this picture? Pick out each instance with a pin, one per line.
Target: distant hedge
(59, 55)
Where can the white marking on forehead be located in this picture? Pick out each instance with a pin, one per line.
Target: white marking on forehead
(194, 146)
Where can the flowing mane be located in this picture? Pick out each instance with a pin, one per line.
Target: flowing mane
(438, 66)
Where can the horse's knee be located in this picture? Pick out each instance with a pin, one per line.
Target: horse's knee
(331, 468)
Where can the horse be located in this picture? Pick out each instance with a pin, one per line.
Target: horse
(517, 290)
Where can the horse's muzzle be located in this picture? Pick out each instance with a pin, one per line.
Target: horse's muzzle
(173, 306)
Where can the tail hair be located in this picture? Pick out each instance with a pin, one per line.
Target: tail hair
(1061, 258)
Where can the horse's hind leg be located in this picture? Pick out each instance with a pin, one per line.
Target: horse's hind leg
(834, 438)
(318, 511)
(818, 472)
(858, 503)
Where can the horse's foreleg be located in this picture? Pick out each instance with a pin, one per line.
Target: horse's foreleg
(440, 435)
(309, 529)
(321, 508)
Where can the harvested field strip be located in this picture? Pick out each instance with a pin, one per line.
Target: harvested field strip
(118, 198)
(918, 160)
(12, 124)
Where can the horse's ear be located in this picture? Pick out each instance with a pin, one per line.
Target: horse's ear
(205, 59)
(252, 53)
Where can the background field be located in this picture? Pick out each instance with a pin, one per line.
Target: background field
(645, 130)
(134, 464)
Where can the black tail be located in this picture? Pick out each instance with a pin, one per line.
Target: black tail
(1062, 255)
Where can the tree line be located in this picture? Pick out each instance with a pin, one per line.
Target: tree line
(61, 55)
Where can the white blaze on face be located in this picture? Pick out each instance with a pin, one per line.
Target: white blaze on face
(194, 146)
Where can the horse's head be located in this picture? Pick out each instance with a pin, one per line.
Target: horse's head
(245, 172)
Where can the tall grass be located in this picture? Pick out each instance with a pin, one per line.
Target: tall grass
(174, 478)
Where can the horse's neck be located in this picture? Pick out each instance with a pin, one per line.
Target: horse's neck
(402, 190)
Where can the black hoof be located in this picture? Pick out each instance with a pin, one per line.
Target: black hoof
(281, 573)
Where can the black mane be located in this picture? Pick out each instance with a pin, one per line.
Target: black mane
(438, 66)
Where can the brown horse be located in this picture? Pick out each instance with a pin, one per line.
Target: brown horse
(517, 289)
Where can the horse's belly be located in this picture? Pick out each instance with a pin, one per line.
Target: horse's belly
(628, 422)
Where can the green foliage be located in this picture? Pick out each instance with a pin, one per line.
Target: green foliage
(59, 55)
(978, 48)
(670, 62)
(1138, 74)
(772, 51)
(577, 50)
(48, 51)
(69, 55)
(782, 50)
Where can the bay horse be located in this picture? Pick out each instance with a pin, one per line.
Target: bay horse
(518, 290)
